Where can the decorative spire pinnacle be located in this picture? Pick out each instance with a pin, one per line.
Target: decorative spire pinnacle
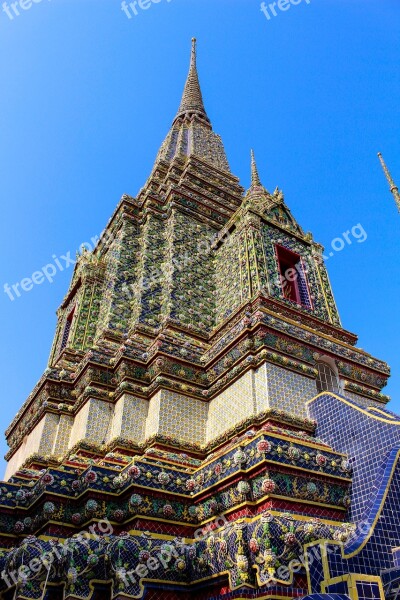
(255, 178)
(192, 99)
(393, 187)
(257, 196)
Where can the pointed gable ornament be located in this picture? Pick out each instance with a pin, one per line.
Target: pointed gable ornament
(272, 206)
(257, 197)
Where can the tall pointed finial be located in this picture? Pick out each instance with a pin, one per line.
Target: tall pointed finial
(192, 99)
(193, 56)
(255, 178)
(393, 187)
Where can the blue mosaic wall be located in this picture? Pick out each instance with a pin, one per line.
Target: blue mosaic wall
(371, 438)
(366, 436)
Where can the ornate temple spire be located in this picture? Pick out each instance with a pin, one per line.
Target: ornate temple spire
(191, 133)
(256, 187)
(257, 195)
(192, 99)
(393, 187)
(255, 178)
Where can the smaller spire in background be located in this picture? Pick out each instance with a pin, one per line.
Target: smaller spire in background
(393, 187)
(255, 178)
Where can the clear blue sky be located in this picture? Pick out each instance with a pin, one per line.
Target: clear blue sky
(88, 95)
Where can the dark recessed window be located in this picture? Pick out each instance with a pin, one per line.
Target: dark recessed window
(67, 329)
(293, 278)
(326, 380)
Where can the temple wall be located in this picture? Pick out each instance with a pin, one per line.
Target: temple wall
(193, 270)
(92, 423)
(178, 416)
(288, 390)
(129, 420)
(227, 278)
(79, 426)
(269, 386)
(147, 298)
(261, 389)
(153, 416)
(40, 440)
(182, 417)
(175, 415)
(121, 258)
(231, 406)
(44, 438)
(13, 464)
(62, 435)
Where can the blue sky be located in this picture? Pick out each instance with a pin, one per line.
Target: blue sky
(88, 95)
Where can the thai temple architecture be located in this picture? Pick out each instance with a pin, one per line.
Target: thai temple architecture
(205, 427)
